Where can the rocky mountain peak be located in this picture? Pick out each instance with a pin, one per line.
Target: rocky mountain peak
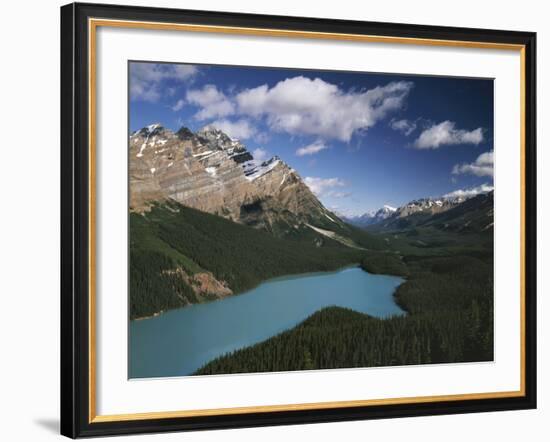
(212, 172)
(151, 130)
(184, 133)
(216, 137)
(372, 217)
(385, 210)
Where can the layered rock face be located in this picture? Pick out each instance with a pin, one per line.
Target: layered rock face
(211, 172)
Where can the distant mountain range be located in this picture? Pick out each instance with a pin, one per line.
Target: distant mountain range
(409, 214)
(369, 218)
(475, 214)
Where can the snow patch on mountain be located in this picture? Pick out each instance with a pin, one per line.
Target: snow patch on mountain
(212, 171)
(253, 169)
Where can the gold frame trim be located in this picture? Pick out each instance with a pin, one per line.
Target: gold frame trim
(93, 24)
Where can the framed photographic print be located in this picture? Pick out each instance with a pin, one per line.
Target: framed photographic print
(278, 220)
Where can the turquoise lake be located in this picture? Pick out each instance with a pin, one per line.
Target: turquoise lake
(180, 341)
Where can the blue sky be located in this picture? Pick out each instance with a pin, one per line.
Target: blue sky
(359, 140)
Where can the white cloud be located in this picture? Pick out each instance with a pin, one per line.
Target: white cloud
(300, 105)
(311, 149)
(470, 192)
(179, 105)
(445, 133)
(146, 79)
(407, 127)
(240, 129)
(482, 166)
(321, 186)
(213, 102)
(260, 154)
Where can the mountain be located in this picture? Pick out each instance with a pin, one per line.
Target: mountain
(428, 206)
(475, 214)
(372, 217)
(459, 214)
(214, 173)
(409, 214)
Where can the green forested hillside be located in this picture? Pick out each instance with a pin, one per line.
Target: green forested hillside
(172, 236)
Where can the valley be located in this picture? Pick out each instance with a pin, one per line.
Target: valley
(170, 243)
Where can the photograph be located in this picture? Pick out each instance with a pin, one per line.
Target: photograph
(284, 219)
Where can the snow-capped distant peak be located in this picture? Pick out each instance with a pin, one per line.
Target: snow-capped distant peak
(212, 133)
(209, 128)
(383, 213)
(372, 217)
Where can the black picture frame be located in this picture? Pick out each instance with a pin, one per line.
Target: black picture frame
(75, 220)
